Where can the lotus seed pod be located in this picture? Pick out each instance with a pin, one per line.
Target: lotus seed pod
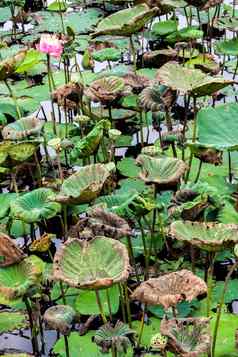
(60, 318)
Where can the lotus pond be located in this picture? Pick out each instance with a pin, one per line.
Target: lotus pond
(119, 178)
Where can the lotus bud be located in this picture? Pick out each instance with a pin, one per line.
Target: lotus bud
(87, 61)
(158, 342)
(60, 318)
(55, 144)
(114, 134)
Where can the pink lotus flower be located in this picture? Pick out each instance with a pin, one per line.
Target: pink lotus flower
(50, 45)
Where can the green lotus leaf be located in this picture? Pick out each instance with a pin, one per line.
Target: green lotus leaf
(85, 185)
(187, 337)
(163, 28)
(205, 62)
(22, 128)
(89, 144)
(185, 34)
(21, 279)
(190, 81)
(21, 152)
(107, 54)
(125, 22)
(35, 206)
(60, 318)
(96, 264)
(217, 127)
(10, 321)
(162, 171)
(207, 236)
(227, 47)
(5, 199)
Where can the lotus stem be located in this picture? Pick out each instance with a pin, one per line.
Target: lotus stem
(211, 258)
(133, 51)
(141, 130)
(51, 84)
(145, 250)
(65, 221)
(141, 326)
(193, 138)
(229, 164)
(234, 75)
(221, 303)
(109, 304)
(132, 258)
(199, 171)
(13, 98)
(114, 350)
(34, 340)
(38, 167)
(128, 309)
(103, 316)
(66, 343)
(122, 299)
(61, 16)
(62, 293)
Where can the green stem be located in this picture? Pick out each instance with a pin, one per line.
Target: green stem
(194, 136)
(109, 304)
(122, 303)
(145, 250)
(50, 78)
(100, 306)
(128, 309)
(132, 258)
(133, 51)
(211, 258)
(34, 339)
(141, 327)
(66, 343)
(221, 303)
(13, 98)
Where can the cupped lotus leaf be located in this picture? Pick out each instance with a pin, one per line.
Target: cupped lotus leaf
(68, 95)
(60, 318)
(10, 253)
(125, 22)
(107, 54)
(170, 289)
(227, 47)
(119, 336)
(164, 171)
(21, 279)
(190, 81)
(97, 264)
(136, 82)
(155, 97)
(85, 185)
(208, 236)
(22, 128)
(217, 127)
(226, 22)
(10, 321)
(89, 144)
(106, 89)
(35, 206)
(10, 64)
(188, 337)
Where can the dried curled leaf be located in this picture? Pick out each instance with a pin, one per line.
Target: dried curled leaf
(170, 289)
(187, 337)
(10, 253)
(68, 95)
